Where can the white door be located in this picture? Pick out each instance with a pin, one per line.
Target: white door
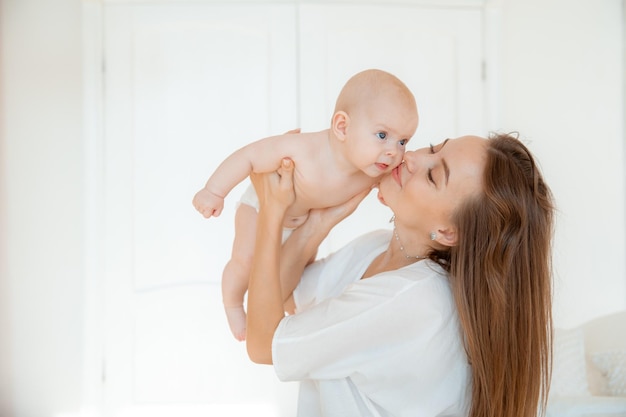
(184, 86)
(187, 84)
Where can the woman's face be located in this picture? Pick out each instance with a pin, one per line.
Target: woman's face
(426, 188)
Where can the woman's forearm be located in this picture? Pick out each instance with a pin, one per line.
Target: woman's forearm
(265, 299)
(297, 252)
(275, 274)
(303, 243)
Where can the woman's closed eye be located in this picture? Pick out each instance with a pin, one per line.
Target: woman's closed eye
(434, 150)
(430, 171)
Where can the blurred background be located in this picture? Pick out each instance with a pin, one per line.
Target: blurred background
(114, 113)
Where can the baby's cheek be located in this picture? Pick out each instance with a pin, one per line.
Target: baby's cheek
(400, 158)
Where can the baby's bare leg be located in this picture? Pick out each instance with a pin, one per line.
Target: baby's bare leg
(236, 273)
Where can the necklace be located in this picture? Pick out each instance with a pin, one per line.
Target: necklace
(395, 233)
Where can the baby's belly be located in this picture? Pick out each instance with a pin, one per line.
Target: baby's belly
(293, 221)
(296, 214)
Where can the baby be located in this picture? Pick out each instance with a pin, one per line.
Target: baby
(375, 116)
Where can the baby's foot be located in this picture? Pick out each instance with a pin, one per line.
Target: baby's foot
(237, 321)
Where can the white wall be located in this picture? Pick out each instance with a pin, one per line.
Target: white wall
(561, 65)
(562, 88)
(41, 301)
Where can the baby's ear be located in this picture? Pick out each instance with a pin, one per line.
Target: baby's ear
(339, 124)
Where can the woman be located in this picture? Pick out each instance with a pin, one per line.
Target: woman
(448, 314)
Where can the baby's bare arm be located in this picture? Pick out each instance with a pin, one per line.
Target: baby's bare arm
(259, 157)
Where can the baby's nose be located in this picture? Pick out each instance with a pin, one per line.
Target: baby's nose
(391, 149)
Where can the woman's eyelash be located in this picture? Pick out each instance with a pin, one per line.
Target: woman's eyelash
(430, 171)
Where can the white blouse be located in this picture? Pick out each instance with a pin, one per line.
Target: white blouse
(388, 345)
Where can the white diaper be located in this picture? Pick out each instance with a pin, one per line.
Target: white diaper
(250, 198)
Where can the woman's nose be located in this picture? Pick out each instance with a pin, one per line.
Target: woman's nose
(410, 159)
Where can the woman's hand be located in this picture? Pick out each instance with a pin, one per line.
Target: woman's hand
(275, 189)
(329, 217)
(321, 221)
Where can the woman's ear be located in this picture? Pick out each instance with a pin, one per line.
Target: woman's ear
(447, 237)
(339, 124)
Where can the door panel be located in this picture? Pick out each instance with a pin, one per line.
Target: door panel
(185, 86)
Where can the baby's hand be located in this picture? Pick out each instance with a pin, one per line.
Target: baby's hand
(208, 203)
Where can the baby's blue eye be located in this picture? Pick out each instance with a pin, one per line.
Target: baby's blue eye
(381, 135)
(403, 142)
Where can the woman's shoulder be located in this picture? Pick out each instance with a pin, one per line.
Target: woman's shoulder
(425, 268)
(421, 282)
(375, 238)
(362, 246)
(359, 251)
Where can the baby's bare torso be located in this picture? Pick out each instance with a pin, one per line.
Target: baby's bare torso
(319, 180)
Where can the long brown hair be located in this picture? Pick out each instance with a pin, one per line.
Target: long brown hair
(501, 279)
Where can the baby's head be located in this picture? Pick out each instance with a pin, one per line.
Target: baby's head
(375, 116)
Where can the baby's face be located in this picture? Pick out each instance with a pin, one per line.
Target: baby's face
(378, 134)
